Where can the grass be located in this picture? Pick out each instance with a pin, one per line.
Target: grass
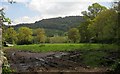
(63, 47)
(94, 58)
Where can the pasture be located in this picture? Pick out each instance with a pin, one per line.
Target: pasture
(64, 47)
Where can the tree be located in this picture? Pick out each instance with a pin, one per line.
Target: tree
(3, 59)
(89, 16)
(105, 25)
(10, 35)
(2, 20)
(40, 35)
(116, 7)
(93, 11)
(84, 32)
(24, 35)
(73, 35)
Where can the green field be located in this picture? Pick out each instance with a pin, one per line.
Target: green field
(64, 47)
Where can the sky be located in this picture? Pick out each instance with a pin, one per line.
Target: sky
(29, 11)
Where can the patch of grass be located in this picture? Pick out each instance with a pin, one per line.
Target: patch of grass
(47, 47)
(7, 70)
(116, 66)
(94, 58)
(63, 47)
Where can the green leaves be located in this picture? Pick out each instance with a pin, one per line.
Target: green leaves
(93, 11)
(7, 20)
(101, 24)
(10, 35)
(40, 35)
(105, 24)
(73, 35)
(24, 35)
(3, 18)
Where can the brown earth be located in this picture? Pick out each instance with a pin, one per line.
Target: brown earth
(26, 61)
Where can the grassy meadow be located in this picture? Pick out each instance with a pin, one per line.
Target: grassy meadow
(64, 47)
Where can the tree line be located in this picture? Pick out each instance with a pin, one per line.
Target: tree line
(100, 26)
(25, 35)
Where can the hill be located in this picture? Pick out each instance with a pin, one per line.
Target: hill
(55, 26)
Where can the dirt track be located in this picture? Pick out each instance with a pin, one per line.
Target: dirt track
(25, 61)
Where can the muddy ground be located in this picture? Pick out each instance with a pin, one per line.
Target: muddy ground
(26, 61)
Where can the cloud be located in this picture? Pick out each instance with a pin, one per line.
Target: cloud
(27, 19)
(23, 1)
(4, 7)
(1, 7)
(24, 19)
(19, 1)
(81, 0)
(52, 8)
(56, 8)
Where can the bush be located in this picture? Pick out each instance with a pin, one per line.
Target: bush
(116, 66)
(6, 70)
(58, 39)
(94, 58)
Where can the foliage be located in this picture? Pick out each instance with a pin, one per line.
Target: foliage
(84, 32)
(40, 35)
(24, 35)
(10, 35)
(3, 18)
(52, 32)
(101, 25)
(58, 39)
(73, 35)
(89, 16)
(105, 30)
(117, 9)
(7, 70)
(94, 58)
(116, 66)
(93, 11)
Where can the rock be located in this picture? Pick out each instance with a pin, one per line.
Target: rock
(59, 55)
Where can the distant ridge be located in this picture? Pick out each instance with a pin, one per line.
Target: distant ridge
(57, 25)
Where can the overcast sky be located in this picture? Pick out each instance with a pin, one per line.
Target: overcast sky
(29, 11)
